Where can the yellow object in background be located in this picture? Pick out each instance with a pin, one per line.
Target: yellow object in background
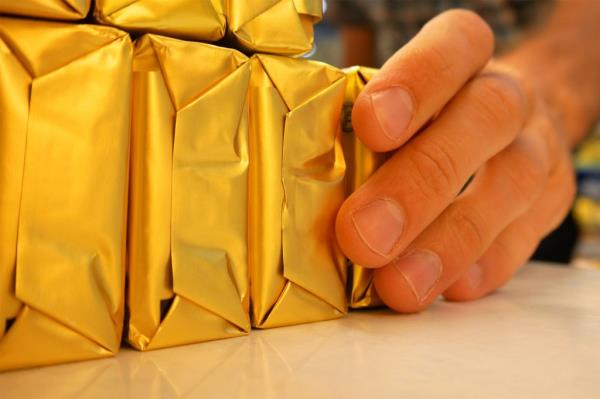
(65, 93)
(297, 273)
(188, 214)
(190, 19)
(52, 9)
(274, 26)
(361, 163)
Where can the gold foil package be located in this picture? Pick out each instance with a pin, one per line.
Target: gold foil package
(361, 163)
(52, 9)
(296, 187)
(192, 19)
(274, 26)
(269, 26)
(188, 214)
(64, 147)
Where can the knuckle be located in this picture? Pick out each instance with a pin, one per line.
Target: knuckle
(525, 185)
(549, 135)
(527, 172)
(467, 225)
(504, 253)
(435, 170)
(500, 101)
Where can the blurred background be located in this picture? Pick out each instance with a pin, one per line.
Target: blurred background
(367, 32)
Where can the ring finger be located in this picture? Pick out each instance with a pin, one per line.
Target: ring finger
(503, 190)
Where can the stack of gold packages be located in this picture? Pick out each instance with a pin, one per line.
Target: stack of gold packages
(64, 148)
(362, 163)
(236, 175)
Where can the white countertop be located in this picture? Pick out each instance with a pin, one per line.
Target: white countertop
(538, 337)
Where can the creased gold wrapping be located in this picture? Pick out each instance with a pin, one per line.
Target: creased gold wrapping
(274, 26)
(297, 273)
(190, 19)
(188, 215)
(361, 163)
(64, 143)
(52, 9)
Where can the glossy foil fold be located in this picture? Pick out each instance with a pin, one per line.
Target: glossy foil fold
(361, 164)
(188, 273)
(64, 145)
(52, 9)
(190, 19)
(297, 169)
(274, 26)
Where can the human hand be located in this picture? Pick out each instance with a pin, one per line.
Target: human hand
(450, 113)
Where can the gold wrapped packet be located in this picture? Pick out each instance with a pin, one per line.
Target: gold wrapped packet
(361, 163)
(188, 274)
(297, 272)
(65, 94)
(189, 19)
(274, 26)
(52, 9)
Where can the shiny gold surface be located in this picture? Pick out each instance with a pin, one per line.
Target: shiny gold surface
(188, 223)
(361, 163)
(296, 187)
(53, 9)
(274, 26)
(64, 141)
(192, 19)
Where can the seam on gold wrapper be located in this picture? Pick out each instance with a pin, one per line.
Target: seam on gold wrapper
(9, 48)
(161, 46)
(362, 162)
(29, 309)
(281, 303)
(137, 338)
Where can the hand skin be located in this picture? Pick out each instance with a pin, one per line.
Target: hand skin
(450, 112)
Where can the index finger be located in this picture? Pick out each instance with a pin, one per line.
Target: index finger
(421, 78)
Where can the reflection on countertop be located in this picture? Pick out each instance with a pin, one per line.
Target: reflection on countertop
(539, 335)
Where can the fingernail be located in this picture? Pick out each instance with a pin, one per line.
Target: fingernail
(474, 275)
(393, 108)
(422, 270)
(379, 225)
